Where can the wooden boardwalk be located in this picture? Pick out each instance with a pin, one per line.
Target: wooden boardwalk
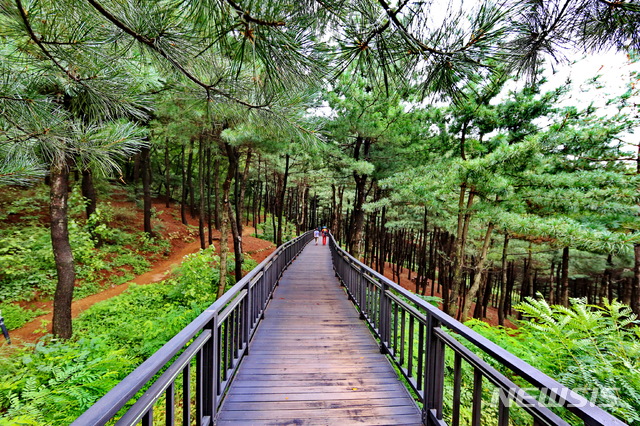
(313, 361)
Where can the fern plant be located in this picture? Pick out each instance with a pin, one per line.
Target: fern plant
(594, 350)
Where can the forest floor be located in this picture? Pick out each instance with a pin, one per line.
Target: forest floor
(184, 240)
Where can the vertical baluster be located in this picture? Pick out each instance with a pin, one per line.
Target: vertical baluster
(377, 310)
(439, 378)
(410, 346)
(225, 349)
(219, 354)
(362, 289)
(240, 330)
(186, 395)
(503, 409)
(385, 315)
(213, 361)
(421, 361)
(147, 418)
(434, 370)
(477, 398)
(234, 336)
(394, 328)
(207, 388)
(199, 387)
(403, 333)
(170, 404)
(457, 377)
(367, 297)
(247, 319)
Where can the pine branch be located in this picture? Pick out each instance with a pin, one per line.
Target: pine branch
(38, 42)
(151, 43)
(245, 16)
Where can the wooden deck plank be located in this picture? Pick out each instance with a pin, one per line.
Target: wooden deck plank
(363, 395)
(312, 361)
(368, 421)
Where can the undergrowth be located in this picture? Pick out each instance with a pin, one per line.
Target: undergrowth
(103, 254)
(111, 338)
(594, 350)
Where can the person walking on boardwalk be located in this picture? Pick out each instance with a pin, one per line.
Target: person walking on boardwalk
(316, 235)
(325, 234)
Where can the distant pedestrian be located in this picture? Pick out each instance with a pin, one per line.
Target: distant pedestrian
(325, 234)
(316, 235)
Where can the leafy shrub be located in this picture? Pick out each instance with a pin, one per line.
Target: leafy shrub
(139, 320)
(56, 382)
(583, 347)
(197, 278)
(267, 232)
(26, 263)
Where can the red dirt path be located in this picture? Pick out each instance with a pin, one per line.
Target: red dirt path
(182, 244)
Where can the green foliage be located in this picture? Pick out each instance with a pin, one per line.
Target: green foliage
(16, 316)
(198, 278)
(26, 263)
(27, 205)
(433, 300)
(590, 348)
(267, 232)
(39, 381)
(27, 266)
(110, 339)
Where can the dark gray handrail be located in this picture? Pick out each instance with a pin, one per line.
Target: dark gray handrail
(222, 334)
(402, 321)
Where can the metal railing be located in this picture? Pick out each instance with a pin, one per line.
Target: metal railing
(217, 339)
(418, 337)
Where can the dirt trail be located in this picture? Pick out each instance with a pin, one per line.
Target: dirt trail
(255, 248)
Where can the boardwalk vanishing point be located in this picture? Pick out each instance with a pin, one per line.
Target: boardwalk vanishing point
(312, 360)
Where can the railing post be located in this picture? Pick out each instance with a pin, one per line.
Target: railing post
(248, 318)
(434, 372)
(206, 382)
(361, 289)
(212, 361)
(4, 329)
(384, 319)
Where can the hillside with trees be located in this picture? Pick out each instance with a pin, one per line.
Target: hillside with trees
(425, 135)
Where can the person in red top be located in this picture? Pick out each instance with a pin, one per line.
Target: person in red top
(325, 234)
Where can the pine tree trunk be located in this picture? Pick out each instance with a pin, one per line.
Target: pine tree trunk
(183, 197)
(208, 181)
(338, 229)
(477, 279)
(281, 201)
(224, 229)
(503, 283)
(136, 173)
(354, 238)
(240, 205)
(89, 192)
(192, 202)
(233, 155)
(62, 325)
(167, 175)
(216, 193)
(464, 217)
(201, 192)
(564, 281)
(145, 163)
